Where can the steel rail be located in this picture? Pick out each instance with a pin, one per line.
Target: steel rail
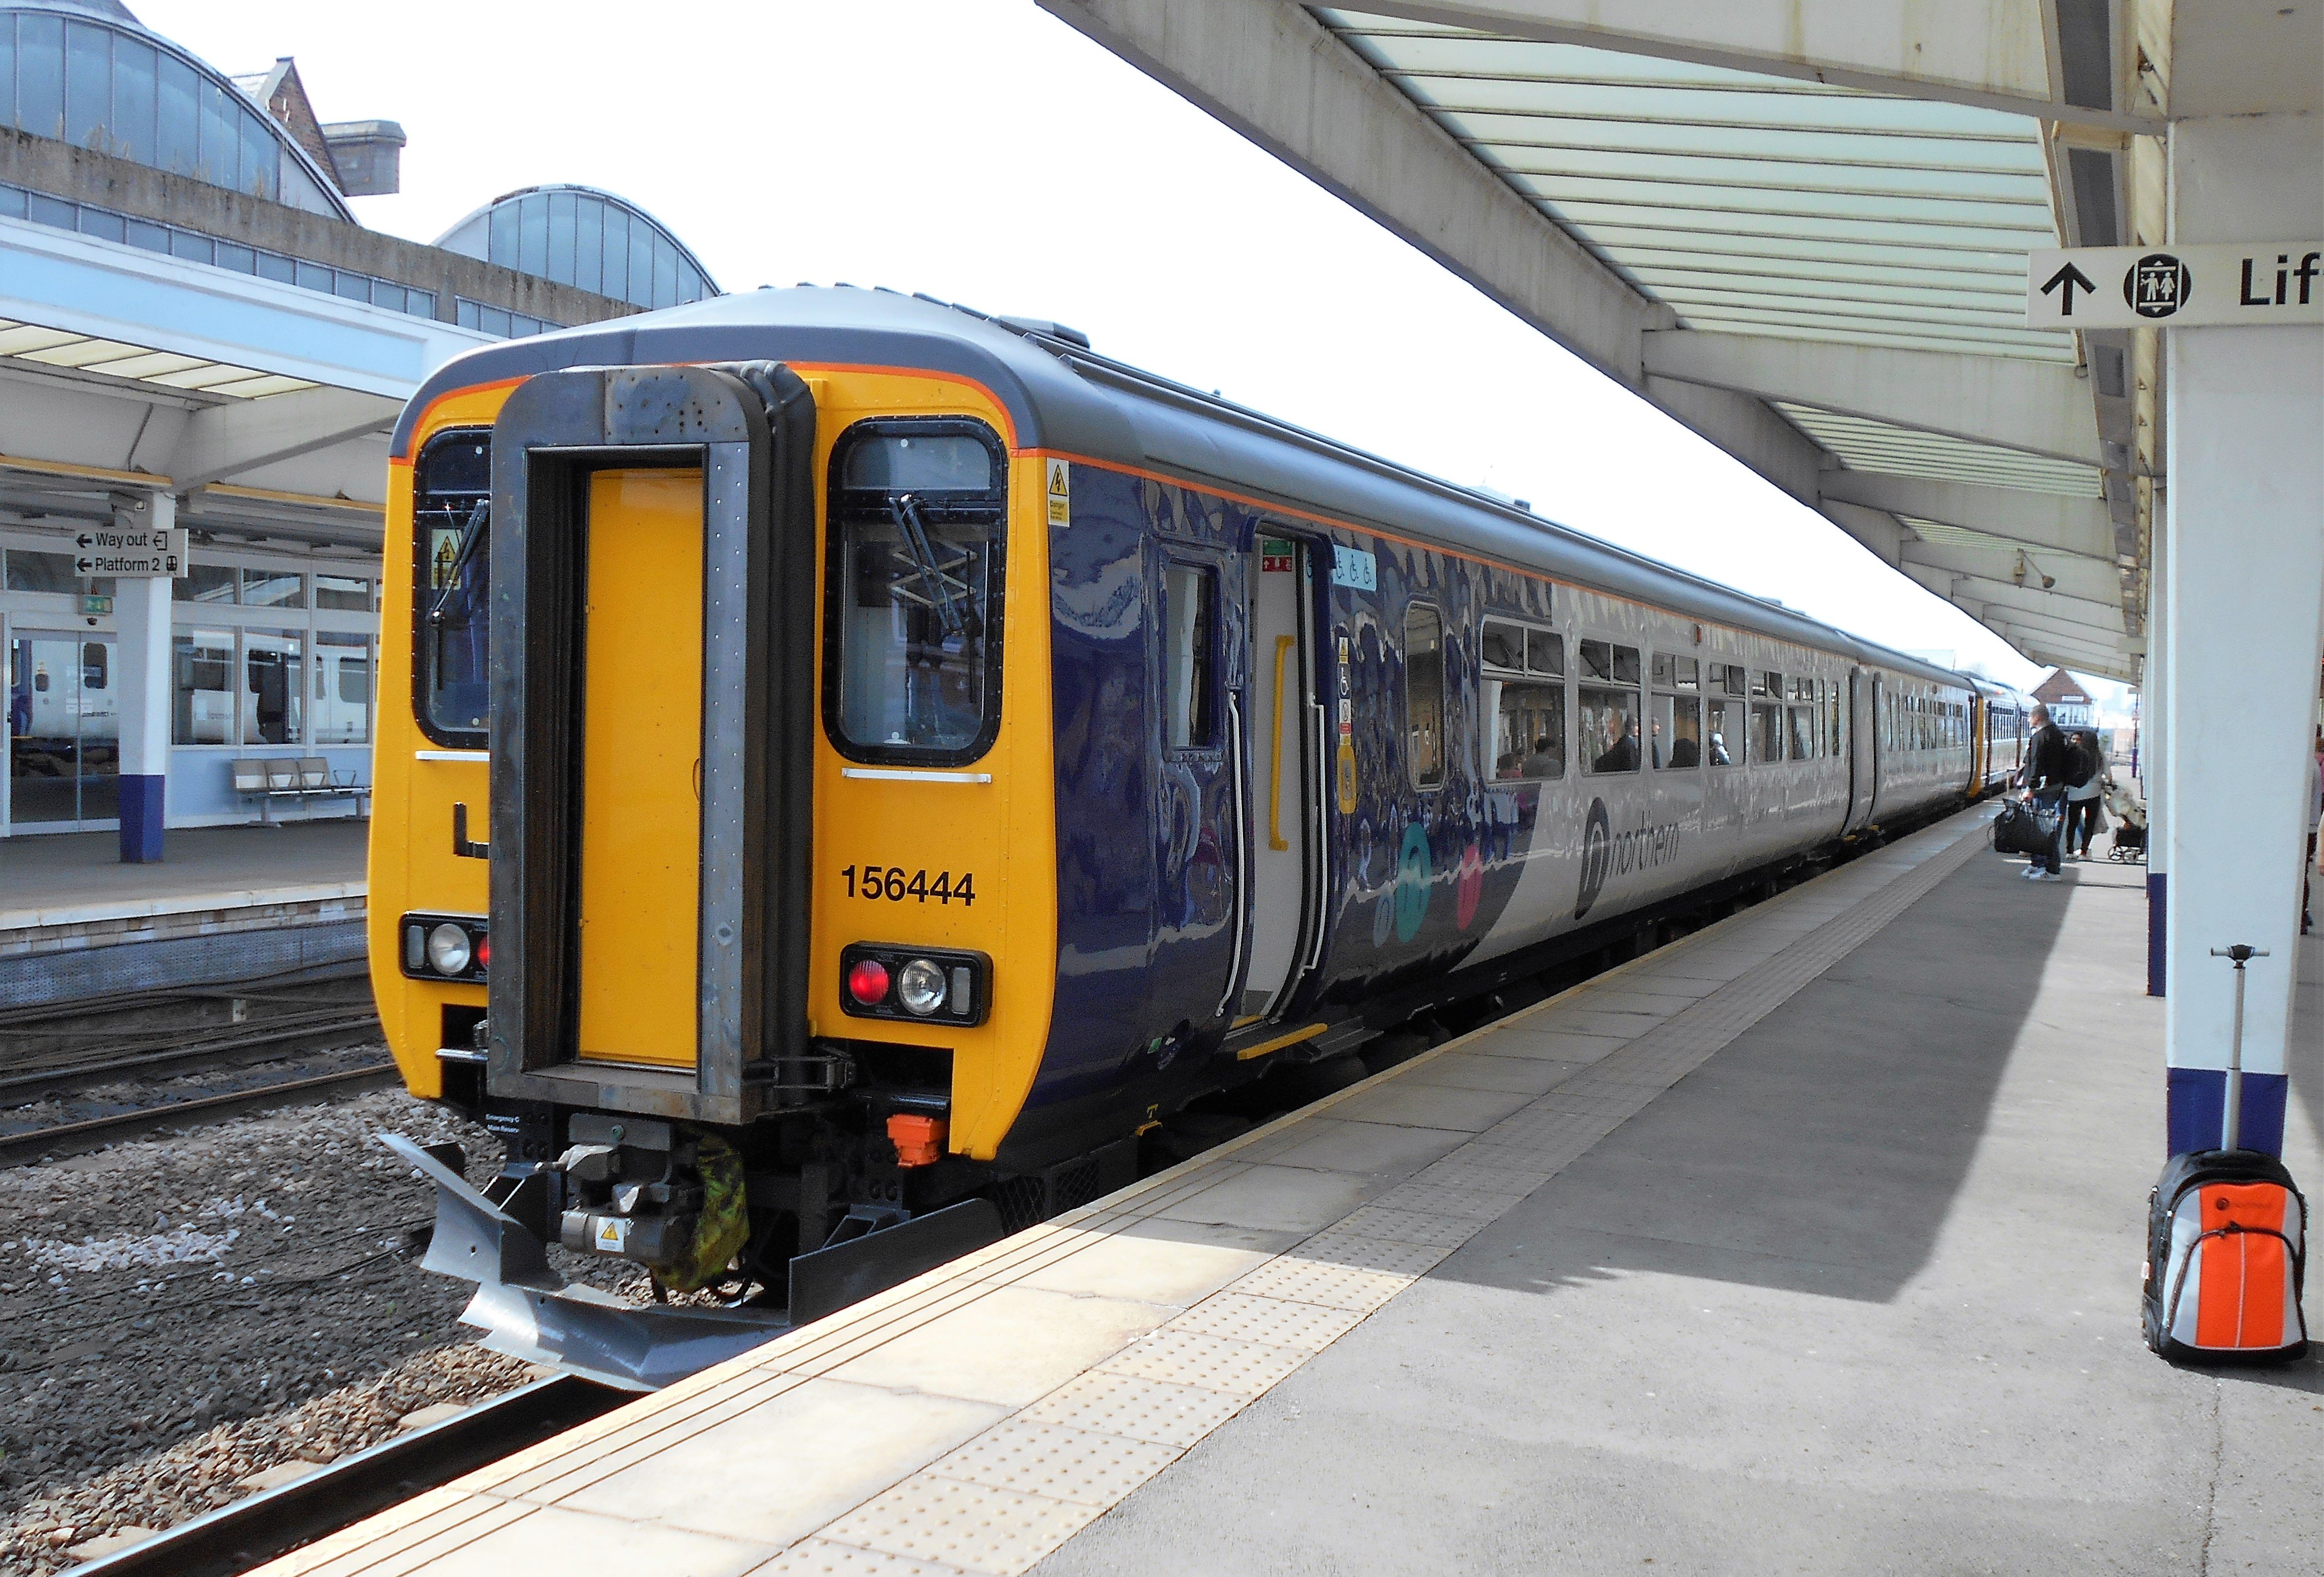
(234, 1538)
(264, 1036)
(19, 1148)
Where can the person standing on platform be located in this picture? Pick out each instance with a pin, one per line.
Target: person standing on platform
(2044, 778)
(2086, 780)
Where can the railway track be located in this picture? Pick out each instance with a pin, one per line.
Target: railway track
(236, 1538)
(168, 1051)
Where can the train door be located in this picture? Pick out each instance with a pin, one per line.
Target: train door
(1203, 923)
(1863, 746)
(641, 833)
(1282, 764)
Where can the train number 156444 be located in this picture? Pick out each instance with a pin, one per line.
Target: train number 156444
(893, 883)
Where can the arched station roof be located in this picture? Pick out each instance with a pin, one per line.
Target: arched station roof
(88, 73)
(590, 239)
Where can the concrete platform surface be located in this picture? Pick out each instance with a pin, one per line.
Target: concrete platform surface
(78, 878)
(1809, 1243)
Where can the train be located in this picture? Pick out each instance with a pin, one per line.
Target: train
(863, 772)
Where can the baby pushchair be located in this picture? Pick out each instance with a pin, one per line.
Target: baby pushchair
(2129, 812)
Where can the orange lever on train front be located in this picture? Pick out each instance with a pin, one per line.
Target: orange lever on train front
(920, 1141)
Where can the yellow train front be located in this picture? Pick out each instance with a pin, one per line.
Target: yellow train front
(692, 865)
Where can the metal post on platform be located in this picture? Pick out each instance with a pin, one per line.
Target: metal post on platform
(2231, 1122)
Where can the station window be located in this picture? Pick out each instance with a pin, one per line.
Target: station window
(345, 592)
(1424, 694)
(273, 707)
(451, 517)
(343, 688)
(1189, 601)
(201, 687)
(1722, 735)
(206, 583)
(912, 625)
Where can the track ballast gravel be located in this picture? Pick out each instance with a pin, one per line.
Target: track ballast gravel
(178, 1313)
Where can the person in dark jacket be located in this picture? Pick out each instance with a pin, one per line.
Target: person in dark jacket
(2045, 784)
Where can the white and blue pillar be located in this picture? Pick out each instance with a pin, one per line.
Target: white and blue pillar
(2243, 627)
(140, 615)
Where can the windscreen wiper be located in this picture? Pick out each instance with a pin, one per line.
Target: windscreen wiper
(907, 511)
(472, 536)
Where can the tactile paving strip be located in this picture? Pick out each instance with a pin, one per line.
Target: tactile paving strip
(998, 1503)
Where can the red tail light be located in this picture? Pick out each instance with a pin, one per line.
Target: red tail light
(867, 983)
(484, 952)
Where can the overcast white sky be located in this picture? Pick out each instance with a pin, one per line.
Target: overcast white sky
(983, 152)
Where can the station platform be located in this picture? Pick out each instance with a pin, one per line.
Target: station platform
(229, 903)
(1809, 1243)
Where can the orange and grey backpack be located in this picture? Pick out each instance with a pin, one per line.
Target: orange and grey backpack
(2225, 1254)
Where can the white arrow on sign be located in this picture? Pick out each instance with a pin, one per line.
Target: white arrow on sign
(2146, 287)
(104, 550)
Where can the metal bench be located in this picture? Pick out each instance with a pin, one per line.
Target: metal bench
(296, 777)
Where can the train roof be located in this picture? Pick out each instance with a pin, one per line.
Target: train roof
(1061, 396)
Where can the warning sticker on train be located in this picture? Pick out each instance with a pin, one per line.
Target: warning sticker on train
(2144, 287)
(1060, 492)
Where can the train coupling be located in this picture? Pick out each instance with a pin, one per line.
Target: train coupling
(529, 1311)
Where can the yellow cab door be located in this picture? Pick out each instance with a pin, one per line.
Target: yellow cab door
(641, 821)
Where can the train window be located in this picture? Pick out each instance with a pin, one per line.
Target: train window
(1545, 652)
(1609, 728)
(1767, 684)
(1601, 659)
(1804, 733)
(1722, 742)
(451, 494)
(1529, 729)
(1674, 731)
(1424, 694)
(1503, 646)
(1766, 731)
(913, 608)
(96, 665)
(1678, 673)
(1189, 598)
(1832, 724)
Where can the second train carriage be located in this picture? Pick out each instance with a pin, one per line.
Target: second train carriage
(866, 763)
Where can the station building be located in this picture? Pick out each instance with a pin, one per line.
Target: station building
(196, 331)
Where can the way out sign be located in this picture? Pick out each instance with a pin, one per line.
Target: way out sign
(2141, 287)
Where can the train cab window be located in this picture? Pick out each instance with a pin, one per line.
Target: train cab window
(1723, 732)
(451, 500)
(1766, 731)
(913, 621)
(1189, 615)
(1424, 694)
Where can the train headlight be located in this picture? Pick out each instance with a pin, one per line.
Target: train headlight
(867, 982)
(921, 987)
(447, 949)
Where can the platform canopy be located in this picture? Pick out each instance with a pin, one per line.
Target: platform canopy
(263, 408)
(1799, 226)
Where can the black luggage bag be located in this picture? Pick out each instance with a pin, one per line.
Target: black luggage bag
(2019, 830)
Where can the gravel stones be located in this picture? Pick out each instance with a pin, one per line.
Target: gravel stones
(179, 1313)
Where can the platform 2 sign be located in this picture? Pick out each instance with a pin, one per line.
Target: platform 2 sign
(2270, 282)
(110, 550)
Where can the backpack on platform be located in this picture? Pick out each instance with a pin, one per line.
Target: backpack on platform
(2082, 765)
(2225, 1258)
(2227, 1236)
